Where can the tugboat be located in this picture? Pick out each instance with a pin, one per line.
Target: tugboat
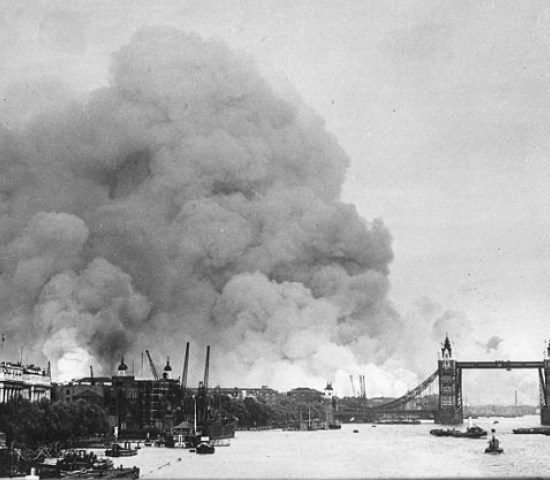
(494, 445)
(205, 447)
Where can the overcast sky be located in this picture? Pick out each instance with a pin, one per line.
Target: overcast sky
(442, 107)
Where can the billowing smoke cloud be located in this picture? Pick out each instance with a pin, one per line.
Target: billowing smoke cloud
(187, 201)
(190, 201)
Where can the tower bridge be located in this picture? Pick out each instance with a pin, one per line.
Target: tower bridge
(449, 407)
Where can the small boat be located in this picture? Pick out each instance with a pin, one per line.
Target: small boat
(442, 432)
(471, 432)
(399, 421)
(118, 450)
(532, 430)
(204, 448)
(115, 473)
(84, 465)
(494, 445)
(356, 431)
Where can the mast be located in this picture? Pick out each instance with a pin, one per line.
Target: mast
(195, 416)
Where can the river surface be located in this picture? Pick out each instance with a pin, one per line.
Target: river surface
(384, 451)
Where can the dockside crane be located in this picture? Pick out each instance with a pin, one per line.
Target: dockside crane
(152, 365)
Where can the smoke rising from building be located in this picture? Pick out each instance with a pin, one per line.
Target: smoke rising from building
(189, 201)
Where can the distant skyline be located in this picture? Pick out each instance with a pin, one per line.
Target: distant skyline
(442, 107)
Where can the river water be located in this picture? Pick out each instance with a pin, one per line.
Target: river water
(384, 451)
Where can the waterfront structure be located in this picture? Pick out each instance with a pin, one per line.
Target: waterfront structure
(448, 408)
(91, 389)
(268, 395)
(450, 382)
(330, 404)
(143, 404)
(450, 394)
(24, 381)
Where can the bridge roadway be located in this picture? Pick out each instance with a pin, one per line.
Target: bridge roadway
(507, 364)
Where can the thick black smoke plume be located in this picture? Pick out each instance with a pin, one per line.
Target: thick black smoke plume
(186, 201)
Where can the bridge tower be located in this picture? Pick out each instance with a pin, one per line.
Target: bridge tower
(450, 387)
(545, 390)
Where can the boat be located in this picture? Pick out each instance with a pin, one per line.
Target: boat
(118, 450)
(205, 447)
(81, 464)
(115, 473)
(532, 430)
(443, 432)
(494, 445)
(188, 434)
(220, 428)
(471, 432)
(399, 421)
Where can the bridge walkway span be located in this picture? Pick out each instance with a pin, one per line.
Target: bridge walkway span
(506, 364)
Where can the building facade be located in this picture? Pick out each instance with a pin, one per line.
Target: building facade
(28, 382)
(134, 405)
(265, 394)
(90, 389)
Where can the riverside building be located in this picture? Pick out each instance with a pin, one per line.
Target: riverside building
(24, 381)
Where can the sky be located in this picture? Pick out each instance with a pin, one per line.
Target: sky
(442, 108)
